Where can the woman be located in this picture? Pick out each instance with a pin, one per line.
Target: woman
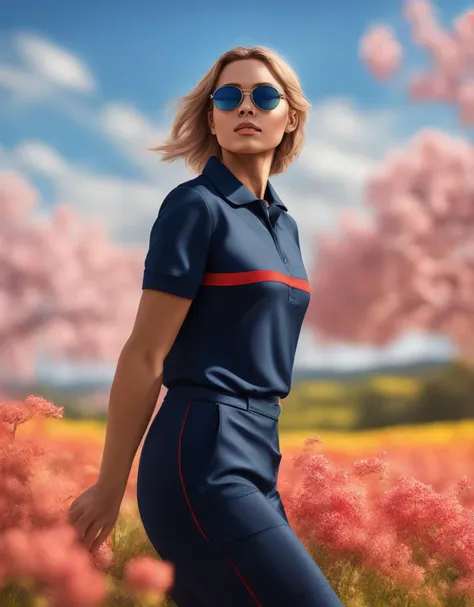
(224, 296)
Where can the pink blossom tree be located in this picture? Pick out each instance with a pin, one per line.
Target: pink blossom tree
(412, 266)
(66, 290)
(449, 77)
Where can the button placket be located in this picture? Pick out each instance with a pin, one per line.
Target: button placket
(267, 211)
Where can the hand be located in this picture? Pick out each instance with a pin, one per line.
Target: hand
(95, 510)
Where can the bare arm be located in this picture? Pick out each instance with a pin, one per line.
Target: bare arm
(137, 382)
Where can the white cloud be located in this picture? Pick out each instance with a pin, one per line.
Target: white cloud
(408, 348)
(23, 83)
(339, 119)
(43, 67)
(126, 207)
(55, 63)
(329, 161)
(42, 159)
(133, 134)
(125, 123)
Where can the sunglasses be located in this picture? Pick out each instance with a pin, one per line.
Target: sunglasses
(264, 96)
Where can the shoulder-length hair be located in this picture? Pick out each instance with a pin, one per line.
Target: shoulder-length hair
(191, 138)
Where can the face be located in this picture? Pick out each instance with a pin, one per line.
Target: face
(247, 74)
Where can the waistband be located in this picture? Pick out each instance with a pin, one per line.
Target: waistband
(268, 406)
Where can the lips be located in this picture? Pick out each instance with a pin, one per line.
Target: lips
(247, 125)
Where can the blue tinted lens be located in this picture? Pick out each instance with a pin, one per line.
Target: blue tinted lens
(227, 97)
(266, 97)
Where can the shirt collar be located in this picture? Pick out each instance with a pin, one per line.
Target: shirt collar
(232, 189)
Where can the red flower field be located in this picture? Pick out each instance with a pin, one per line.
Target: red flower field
(387, 516)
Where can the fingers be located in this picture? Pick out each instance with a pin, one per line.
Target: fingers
(91, 533)
(73, 514)
(88, 531)
(82, 524)
(92, 528)
(102, 536)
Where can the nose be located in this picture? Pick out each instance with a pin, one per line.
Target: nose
(247, 106)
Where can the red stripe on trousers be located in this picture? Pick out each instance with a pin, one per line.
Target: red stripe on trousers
(183, 486)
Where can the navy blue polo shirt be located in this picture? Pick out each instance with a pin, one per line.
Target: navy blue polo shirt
(240, 262)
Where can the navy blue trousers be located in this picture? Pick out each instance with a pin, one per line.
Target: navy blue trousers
(208, 500)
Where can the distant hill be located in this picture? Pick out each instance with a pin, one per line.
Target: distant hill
(413, 369)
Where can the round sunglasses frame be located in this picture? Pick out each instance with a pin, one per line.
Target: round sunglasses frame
(250, 91)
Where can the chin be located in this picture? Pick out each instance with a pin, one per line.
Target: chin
(247, 148)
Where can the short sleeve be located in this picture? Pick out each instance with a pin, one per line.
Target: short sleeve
(179, 244)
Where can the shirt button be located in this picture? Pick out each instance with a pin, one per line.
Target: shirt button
(285, 260)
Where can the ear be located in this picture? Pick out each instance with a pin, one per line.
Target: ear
(292, 122)
(210, 122)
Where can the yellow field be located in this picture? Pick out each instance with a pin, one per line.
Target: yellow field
(435, 433)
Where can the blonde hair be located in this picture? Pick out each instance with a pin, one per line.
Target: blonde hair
(191, 138)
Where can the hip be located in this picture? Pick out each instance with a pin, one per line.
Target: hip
(221, 445)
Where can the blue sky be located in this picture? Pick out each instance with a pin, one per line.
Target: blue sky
(86, 87)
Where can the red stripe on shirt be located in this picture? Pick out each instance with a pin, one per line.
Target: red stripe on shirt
(232, 279)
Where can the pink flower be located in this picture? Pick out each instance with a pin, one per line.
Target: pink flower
(102, 557)
(428, 86)
(146, 574)
(418, 11)
(465, 484)
(465, 97)
(370, 466)
(381, 51)
(14, 413)
(464, 26)
(42, 407)
(312, 440)
(15, 553)
(79, 588)
(51, 556)
(17, 196)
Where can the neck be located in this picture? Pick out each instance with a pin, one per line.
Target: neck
(253, 170)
